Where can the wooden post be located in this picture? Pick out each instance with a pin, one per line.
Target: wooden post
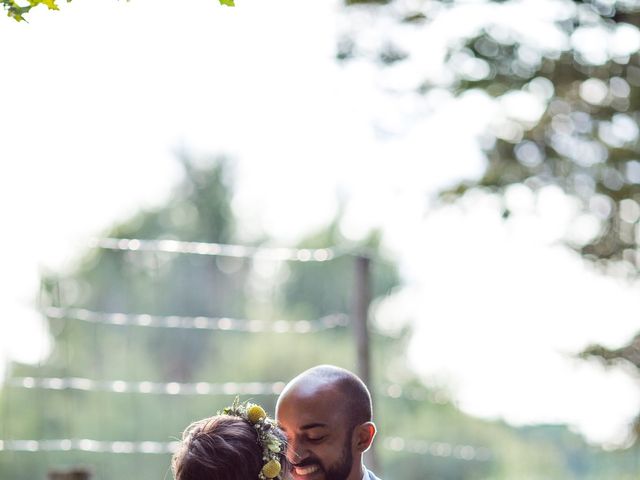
(361, 302)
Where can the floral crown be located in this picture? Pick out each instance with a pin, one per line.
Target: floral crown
(272, 445)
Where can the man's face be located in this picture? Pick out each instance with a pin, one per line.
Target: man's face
(319, 438)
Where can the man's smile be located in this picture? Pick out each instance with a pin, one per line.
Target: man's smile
(306, 470)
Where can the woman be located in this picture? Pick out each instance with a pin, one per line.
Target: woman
(241, 443)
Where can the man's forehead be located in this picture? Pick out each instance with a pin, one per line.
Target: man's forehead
(312, 390)
(301, 419)
(306, 405)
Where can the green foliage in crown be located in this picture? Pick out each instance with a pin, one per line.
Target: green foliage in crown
(272, 445)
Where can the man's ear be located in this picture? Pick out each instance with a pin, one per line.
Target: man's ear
(363, 436)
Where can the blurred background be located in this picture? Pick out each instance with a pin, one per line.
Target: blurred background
(201, 201)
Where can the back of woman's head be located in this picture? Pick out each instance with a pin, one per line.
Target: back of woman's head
(223, 447)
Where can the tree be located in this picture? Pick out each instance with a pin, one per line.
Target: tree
(585, 139)
(626, 355)
(167, 285)
(162, 284)
(17, 11)
(581, 73)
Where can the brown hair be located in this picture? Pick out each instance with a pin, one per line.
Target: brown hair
(223, 447)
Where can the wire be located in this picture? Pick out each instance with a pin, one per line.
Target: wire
(218, 249)
(393, 391)
(438, 449)
(147, 387)
(203, 323)
(86, 445)
(175, 388)
(396, 444)
(414, 393)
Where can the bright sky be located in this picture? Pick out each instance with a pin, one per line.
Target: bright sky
(109, 90)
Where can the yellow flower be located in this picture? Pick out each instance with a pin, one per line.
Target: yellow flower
(256, 413)
(271, 469)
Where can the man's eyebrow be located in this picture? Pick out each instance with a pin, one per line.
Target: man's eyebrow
(309, 426)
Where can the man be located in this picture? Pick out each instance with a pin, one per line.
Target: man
(326, 414)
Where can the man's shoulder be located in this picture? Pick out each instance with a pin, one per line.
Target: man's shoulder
(372, 475)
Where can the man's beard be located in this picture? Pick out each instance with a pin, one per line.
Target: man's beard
(341, 470)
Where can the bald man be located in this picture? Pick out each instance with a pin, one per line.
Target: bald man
(326, 414)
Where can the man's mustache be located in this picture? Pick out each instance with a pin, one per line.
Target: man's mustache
(307, 462)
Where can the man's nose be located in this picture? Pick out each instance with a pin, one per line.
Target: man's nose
(296, 451)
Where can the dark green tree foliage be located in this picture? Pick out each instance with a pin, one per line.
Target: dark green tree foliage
(628, 355)
(586, 141)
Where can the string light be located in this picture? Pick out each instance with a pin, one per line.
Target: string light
(217, 249)
(438, 449)
(417, 394)
(147, 387)
(86, 445)
(441, 449)
(393, 391)
(201, 322)
(396, 444)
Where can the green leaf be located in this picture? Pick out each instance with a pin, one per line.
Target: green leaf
(51, 4)
(17, 12)
(228, 3)
(274, 447)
